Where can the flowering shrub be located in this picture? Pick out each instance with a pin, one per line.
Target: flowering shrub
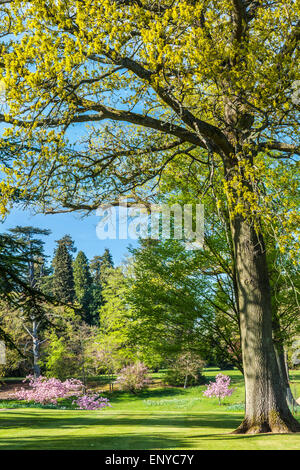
(91, 402)
(133, 378)
(45, 390)
(219, 388)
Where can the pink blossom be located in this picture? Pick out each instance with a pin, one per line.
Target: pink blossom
(219, 388)
(133, 378)
(45, 390)
(91, 402)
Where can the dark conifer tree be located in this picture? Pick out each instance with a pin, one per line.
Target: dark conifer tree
(99, 268)
(83, 287)
(63, 280)
(33, 262)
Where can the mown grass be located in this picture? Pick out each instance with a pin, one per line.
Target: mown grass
(159, 418)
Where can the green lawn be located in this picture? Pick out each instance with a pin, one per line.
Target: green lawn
(157, 419)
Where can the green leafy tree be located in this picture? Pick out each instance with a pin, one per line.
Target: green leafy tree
(97, 299)
(64, 353)
(174, 306)
(185, 370)
(18, 351)
(115, 324)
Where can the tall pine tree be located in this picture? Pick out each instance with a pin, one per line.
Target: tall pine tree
(83, 287)
(100, 267)
(106, 264)
(63, 281)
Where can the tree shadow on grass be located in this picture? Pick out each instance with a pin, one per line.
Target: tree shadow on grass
(118, 432)
(229, 436)
(123, 431)
(118, 396)
(103, 442)
(31, 420)
(153, 440)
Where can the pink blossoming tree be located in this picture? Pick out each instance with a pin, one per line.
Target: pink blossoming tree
(45, 391)
(91, 402)
(219, 388)
(133, 378)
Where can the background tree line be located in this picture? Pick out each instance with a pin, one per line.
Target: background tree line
(166, 306)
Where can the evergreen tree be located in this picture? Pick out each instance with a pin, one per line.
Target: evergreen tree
(36, 267)
(63, 281)
(106, 260)
(95, 269)
(100, 267)
(34, 247)
(22, 263)
(83, 286)
(14, 288)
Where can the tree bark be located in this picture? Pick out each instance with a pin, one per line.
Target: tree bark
(282, 366)
(266, 405)
(281, 360)
(35, 349)
(185, 381)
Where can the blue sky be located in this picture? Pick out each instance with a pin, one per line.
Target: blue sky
(82, 230)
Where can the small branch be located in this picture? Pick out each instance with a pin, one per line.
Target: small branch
(280, 146)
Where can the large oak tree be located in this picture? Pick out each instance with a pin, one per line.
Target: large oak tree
(210, 79)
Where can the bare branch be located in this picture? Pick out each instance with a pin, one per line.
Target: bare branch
(203, 129)
(280, 146)
(104, 112)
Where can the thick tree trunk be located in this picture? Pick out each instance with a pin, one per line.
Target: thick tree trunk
(266, 405)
